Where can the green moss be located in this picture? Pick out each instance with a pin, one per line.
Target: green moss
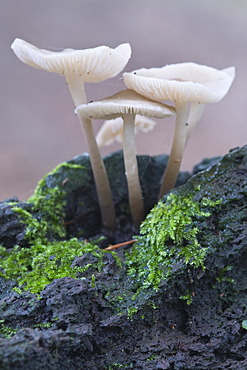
(43, 192)
(36, 230)
(45, 260)
(49, 201)
(93, 280)
(131, 311)
(45, 325)
(151, 358)
(47, 217)
(244, 324)
(51, 204)
(6, 331)
(222, 275)
(168, 237)
(35, 267)
(188, 297)
(117, 365)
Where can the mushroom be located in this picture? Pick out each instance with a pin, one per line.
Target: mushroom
(112, 130)
(127, 104)
(185, 84)
(78, 67)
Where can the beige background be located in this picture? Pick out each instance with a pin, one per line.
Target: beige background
(38, 128)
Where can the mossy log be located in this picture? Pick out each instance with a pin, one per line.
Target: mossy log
(195, 317)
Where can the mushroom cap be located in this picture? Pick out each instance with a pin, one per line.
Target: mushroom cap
(95, 65)
(181, 82)
(112, 130)
(124, 102)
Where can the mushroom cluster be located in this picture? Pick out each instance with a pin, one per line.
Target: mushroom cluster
(127, 104)
(78, 67)
(180, 90)
(189, 86)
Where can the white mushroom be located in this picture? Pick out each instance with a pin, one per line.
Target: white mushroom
(127, 104)
(184, 84)
(78, 67)
(112, 130)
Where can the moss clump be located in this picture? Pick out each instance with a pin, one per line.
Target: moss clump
(36, 230)
(6, 331)
(48, 206)
(46, 259)
(51, 205)
(168, 237)
(35, 267)
(116, 365)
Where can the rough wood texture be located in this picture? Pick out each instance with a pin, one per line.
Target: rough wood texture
(90, 329)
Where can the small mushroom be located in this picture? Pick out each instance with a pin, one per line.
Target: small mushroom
(78, 67)
(183, 84)
(112, 130)
(127, 104)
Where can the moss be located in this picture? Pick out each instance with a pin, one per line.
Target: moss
(93, 280)
(48, 212)
(51, 204)
(188, 297)
(44, 325)
(151, 358)
(50, 201)
(42, 191)
(35, 267)
(222, 275)
(36, 230)
(131, 311)
(168, 238)
(47, 258)
(6, 331)
(117, 365)
(244, 324)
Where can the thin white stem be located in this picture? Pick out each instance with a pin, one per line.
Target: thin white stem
(195, 114)
(131, 170)
(100, 177)
(179, 141)
(77, 90)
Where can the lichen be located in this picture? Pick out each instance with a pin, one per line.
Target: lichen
(168, 238)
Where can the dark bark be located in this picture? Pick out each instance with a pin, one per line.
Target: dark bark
(91, 329)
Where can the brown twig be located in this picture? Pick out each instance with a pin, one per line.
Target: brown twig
(116, 246)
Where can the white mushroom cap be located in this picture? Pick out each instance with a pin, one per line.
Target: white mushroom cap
(124, 102)
(95, 65)
(112, 130)
(183, 81)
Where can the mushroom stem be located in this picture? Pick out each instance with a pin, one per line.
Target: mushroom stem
(179, 141)
(195, 114)
(131, 170)
(76, 87)
(77, 91)
(100, 177)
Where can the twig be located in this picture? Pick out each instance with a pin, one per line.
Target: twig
(116, 246)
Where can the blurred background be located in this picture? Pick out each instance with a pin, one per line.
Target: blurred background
(38, 128)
